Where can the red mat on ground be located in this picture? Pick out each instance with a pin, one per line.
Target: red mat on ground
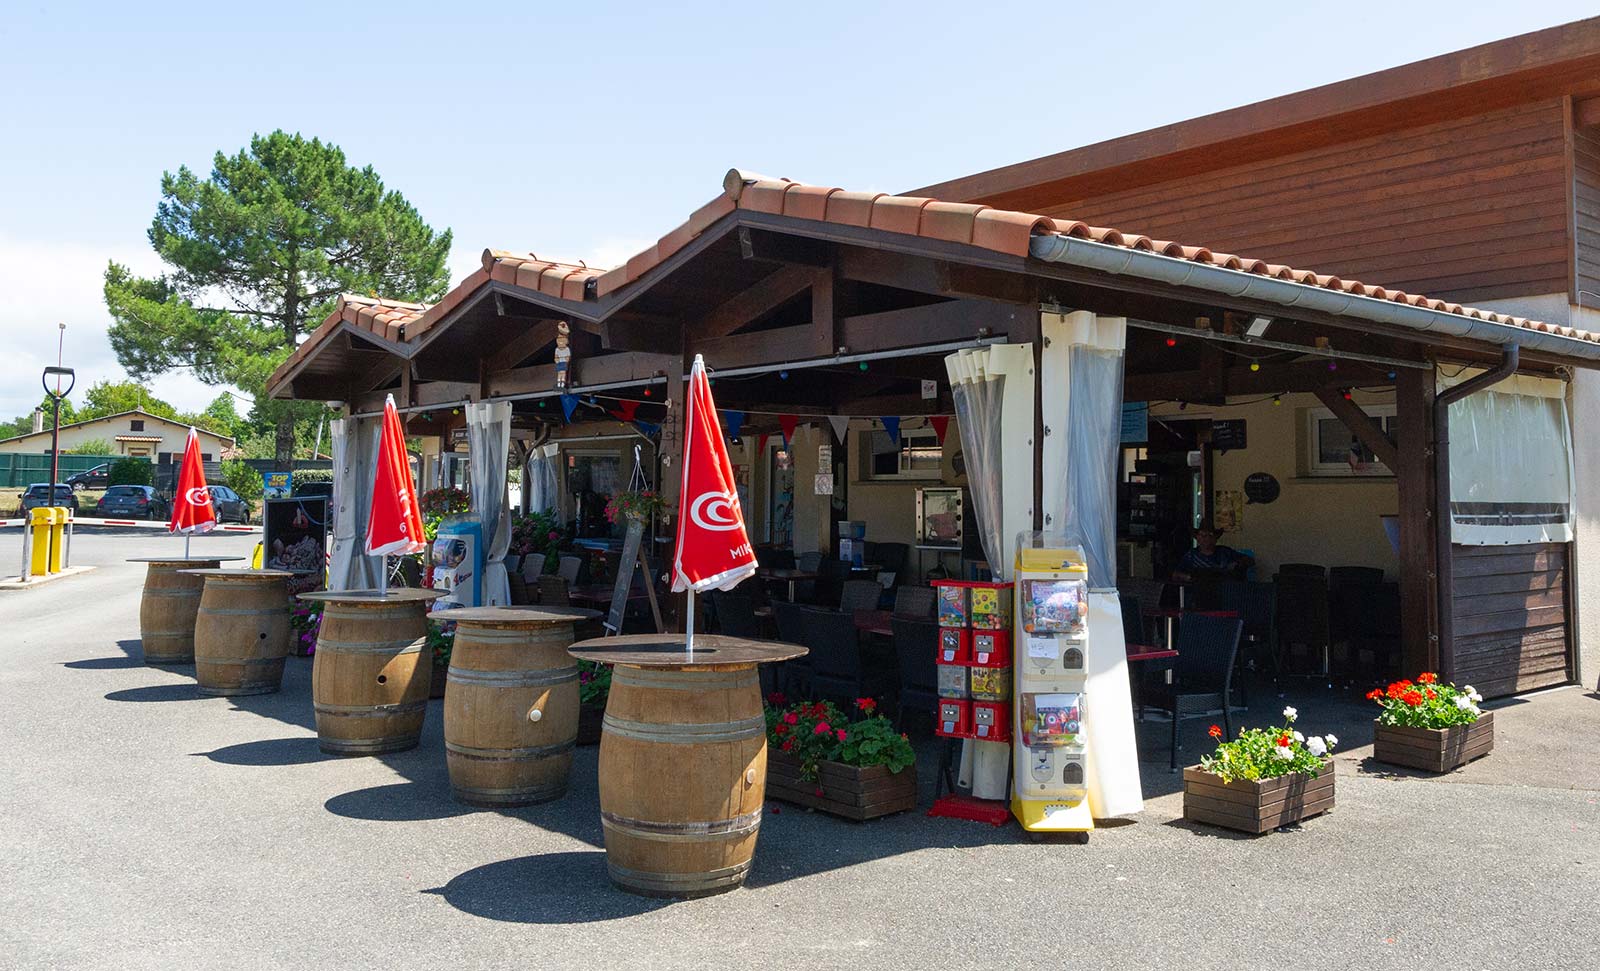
(990, 811)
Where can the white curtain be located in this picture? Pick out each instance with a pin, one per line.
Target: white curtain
(355, 450)
(539, 478)
(489, 448)
(993, 392)
(1511, 469)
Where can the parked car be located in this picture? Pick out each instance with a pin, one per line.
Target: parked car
(229, 506)
(95, 478)
(131, 502)
(38, 495)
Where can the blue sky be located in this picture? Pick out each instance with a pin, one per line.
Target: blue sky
(586, 132)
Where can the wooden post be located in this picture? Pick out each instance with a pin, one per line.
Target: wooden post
(1419, 623)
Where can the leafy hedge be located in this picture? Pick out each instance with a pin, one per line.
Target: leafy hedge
(131, 471)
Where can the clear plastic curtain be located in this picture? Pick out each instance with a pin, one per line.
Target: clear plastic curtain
(978, 396)
(489, 448)
(539, 478)
(1511, 469)
(1090, 418)
(355, 449)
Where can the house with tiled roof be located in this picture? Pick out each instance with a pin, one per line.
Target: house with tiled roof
(135, 433)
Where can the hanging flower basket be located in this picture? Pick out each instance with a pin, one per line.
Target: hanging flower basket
(634, 506)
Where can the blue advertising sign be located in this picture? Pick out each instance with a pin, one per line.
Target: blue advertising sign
(277, 485)
(1135, 422)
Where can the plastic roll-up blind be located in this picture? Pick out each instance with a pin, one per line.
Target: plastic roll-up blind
(1511, 470)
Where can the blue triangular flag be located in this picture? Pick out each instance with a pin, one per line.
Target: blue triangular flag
(735, 421)
(569, 404)
(649, 428)
(892, 426)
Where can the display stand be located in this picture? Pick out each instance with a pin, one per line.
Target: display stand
(1050, 791)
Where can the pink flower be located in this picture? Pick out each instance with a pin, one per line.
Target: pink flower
(791, 717)
(822, 729)
(553, 536)
(841, 734)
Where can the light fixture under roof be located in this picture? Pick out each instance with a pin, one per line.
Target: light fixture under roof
(1258, 327)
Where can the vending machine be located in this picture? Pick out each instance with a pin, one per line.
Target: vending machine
(1050, 791)
(457, 563)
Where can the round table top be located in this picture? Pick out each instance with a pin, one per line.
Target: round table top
(667, 650)
(240, 573)
(394, 595)
(184, 559)
(532, 615)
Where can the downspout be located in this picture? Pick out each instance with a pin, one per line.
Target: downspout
(1445, 568)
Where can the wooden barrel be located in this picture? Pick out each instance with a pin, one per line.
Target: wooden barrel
(370, 677)
(683, 768)
(168, 609)
(241, 634)
(511, 712)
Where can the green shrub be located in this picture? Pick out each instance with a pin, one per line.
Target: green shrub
(310, 475)
(131, 471)
(90, 446)
(241, 478)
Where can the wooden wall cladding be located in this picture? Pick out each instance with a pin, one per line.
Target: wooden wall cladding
(1466, 209)
(1511, 630)
(1586, 213)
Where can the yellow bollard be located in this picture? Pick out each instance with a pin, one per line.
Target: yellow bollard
(58, 537)
(39, 520)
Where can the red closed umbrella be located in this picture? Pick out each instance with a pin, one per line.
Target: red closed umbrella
(191, 502)
(395, 524)
(713, 549)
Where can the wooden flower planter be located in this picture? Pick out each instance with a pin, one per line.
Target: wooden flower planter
(846, 790)
(1255, 807)
(590, 721)
(1434, 749)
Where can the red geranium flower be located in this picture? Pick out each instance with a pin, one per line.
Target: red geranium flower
(776, 699)
(790, 717)
(822, 729)
(1427, 678)
(1376, 694)
(1215, 731)
(866, 705)
(788, 745)
(840, 734)
(1412, 698)
(1431, 695)
(780, 729)
(1284, 740)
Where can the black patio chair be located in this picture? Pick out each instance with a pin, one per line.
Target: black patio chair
(891, 558)
(915, 644)
(828, 589)
(735, 614)
(1302, 606)
(1257, 606)
(1360, 575)
(795, 676)
(915, 602)
(1203, 678)
(1301, 570)
(859, 595)
(837, 672)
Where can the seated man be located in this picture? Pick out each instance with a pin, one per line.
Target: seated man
(1208, 560)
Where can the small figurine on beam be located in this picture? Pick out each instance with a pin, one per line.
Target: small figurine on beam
(563, 354)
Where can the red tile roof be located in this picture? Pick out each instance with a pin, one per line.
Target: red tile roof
(997, 230)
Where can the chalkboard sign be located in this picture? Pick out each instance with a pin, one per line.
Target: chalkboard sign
(1261, 487)
(625, 568)
(1227, 434)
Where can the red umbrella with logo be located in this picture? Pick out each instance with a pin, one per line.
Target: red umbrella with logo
(713, 550)
(191, 502)
(395, 526)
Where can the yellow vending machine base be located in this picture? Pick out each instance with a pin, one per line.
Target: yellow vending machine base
(1053, 815)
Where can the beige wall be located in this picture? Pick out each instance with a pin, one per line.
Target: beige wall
(172, 437)
(1328, 520)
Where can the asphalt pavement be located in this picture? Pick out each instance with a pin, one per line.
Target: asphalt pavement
(143, 826)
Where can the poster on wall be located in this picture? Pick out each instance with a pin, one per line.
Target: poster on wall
(1227, 510)
(277, 485)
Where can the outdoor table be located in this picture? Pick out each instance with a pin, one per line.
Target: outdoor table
(875, 622)
(170, 603)
(600, 593)
(511, 711)
(790, 576)
(370, 678)
(241, 633)
(683, 759)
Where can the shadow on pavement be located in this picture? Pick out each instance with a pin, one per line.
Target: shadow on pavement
(159, 692)
(270, 751)
(552, 888)
(399, 802)
(103, 663)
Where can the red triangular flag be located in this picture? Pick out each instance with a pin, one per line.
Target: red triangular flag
(626, 410)
(713, 550)
(940, 424)
(787, 423)
(761, 444)
(395, 526)
(191, 503)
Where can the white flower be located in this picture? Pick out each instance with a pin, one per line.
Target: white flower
(1474, 695)
(1299, 737)
(1283, 752)
(1331, 739)
(1316, 746)
(1464, 702)
(1290, 713)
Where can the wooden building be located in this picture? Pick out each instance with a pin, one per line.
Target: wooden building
(1473, 176)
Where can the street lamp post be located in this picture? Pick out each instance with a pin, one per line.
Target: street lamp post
(55, 428)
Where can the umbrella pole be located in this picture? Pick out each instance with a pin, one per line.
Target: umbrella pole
(383, 576)
(689, 623)
(186, 546)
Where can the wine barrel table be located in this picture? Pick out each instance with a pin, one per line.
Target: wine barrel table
(170, 604)
(241, 632)
(683, 759)
(511, 711)
(370, 676)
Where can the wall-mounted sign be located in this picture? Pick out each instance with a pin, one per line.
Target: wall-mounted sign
(1135, 422)
(824, 456)
(277, 485)
(930, 390)
(1228, 434)
(1261, 487)
(824, 484)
